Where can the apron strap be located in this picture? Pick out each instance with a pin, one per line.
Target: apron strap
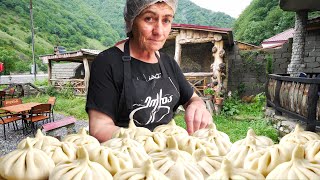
(126, 58)
(163, 70)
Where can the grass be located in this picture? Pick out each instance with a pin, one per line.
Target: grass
(74, 106)
(237, 124)
(235, 119)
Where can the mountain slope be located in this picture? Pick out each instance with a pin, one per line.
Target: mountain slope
(187, 13)
(75, 24)
(261, 20)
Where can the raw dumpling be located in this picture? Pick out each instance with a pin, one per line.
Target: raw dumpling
(114, 161)
(62, 151)
(229, 172)
(219, 140)
(176, 164)
(207, 163)
(299, 136)
(297, 168)
(39, 141)
(132, 130)
(81, 168)
(170, 129)
(26, 163)
(82, 138)
(265, 160)
(312, 151)
(260, 140)
(156, 141)
(145, 172)
(129, 146)
(238, 154)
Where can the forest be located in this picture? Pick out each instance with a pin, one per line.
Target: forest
(98, 24)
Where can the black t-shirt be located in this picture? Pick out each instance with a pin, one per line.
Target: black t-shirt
(106, 81)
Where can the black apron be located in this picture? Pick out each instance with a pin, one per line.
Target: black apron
(150, 103)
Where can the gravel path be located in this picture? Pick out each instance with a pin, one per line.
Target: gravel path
(14, 137)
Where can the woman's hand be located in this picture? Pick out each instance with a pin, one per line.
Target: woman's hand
(197, 116)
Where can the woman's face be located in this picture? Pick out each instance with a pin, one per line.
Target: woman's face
(152, 26)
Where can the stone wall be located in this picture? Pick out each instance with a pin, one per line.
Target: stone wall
(249, 76)
(243, 75)
(312, 52)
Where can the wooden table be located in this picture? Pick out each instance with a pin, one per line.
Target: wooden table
(20, 108)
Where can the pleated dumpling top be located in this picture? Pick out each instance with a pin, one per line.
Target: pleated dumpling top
(299, 136)
(220, 140)
(39, 141)
(228, 171)
(81, 138)
(132, 130)
(296, 168)
(176, 164)
(80, 168)
(171, 129)
(26, 163)
(129, 146)
(145, 172)
(260, 140)
(312, 151)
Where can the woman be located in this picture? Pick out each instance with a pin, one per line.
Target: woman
(134, 81)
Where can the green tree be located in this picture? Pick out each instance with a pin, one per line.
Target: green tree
(8, 57)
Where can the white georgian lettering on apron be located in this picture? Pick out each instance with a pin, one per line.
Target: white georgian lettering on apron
(158, 103)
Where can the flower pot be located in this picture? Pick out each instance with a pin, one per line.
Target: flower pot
(218, 101)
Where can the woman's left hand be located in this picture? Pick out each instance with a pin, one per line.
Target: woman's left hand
(197, 116)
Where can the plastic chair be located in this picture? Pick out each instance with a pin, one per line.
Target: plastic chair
(38, 113)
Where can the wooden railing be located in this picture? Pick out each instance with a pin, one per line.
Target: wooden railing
(76, 84)
(296, 96)
(198, 81)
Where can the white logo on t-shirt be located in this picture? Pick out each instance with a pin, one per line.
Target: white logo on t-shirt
(153, 76)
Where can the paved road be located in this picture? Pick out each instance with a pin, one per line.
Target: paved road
(26, 78)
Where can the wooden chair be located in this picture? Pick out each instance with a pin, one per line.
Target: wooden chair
(10, 94)
(38, 113)
(2, 97)
(52, 101)
(7, 117)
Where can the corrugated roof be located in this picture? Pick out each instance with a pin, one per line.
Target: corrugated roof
(281, 37)
(91, 51)
(207, 28)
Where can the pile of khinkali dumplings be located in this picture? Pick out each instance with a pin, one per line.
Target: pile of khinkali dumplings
(166, 153)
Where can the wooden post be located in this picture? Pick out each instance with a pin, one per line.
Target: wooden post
(277, 97)
(49, 71)
(266, 89)
(86, 73)
(312, 107)
(177, 52)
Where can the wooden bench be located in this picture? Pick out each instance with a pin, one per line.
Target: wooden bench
(68, 122)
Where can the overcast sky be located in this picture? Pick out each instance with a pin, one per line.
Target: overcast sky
(230, 7)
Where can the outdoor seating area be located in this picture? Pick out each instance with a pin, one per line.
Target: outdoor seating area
(30, 115)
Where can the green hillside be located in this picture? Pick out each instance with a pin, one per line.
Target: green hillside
(74, 24)
(263, 19)
(187, 13)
